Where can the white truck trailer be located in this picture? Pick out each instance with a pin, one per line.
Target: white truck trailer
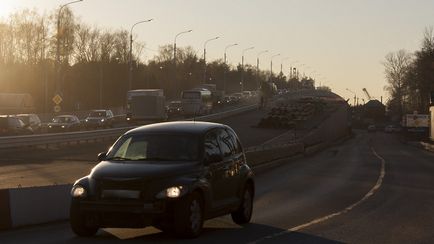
(146, 105)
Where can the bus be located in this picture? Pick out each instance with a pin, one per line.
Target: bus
(196, 102)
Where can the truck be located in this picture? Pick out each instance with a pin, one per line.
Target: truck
(216, 95)
(146, 105)
(196, 102)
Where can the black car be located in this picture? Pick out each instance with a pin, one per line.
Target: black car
(64, 123)
(13, 126)
(99, 119)
(174, 108)
(170, 175)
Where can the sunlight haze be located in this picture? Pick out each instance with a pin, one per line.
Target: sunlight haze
(343, 41)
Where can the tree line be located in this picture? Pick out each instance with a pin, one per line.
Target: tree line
(93, 66)
(410, 78)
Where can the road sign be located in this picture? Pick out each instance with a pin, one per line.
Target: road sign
(57, 108)
(57, 99)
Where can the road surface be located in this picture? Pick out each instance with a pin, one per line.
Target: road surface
(370, 189)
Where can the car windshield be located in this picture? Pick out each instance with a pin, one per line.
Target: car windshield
(155, 147)
(97, 114)
(61, 120)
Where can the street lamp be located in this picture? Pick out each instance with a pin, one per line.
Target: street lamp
(257, 67)
(291, 67)
(281, 63)
(57, 65)
(242, 67)
(225, 60)
(204, 56)
(174, 56)
(130, 79)
(271, 64)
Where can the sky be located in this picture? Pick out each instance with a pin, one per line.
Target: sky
(342, 43)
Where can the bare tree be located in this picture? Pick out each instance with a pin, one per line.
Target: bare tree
(396, 68)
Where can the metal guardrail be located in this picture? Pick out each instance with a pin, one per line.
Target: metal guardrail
(69, 137)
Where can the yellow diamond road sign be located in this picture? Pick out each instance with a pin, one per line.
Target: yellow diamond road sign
(57, 99)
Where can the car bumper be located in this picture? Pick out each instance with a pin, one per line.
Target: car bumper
(125, 214)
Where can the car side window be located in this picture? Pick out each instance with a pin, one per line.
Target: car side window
(235, 141)
(212, 148)
(226, 144)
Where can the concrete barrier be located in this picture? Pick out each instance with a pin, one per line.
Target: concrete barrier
(34, 205)
(265, 155)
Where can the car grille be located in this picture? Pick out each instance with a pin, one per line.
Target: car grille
(117, 189)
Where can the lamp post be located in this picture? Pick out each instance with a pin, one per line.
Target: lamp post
(257, 67)
(281, 63)
(225, 61)
(242, 67)
(174, 57)
(271, 65)
(130, 63)
(204, 56)
(291, 67)
(57, 64)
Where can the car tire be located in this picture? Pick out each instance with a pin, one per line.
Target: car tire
(77, 220)
(189, 216)
(244, 212)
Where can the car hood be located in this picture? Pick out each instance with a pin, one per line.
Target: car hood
(141, 169)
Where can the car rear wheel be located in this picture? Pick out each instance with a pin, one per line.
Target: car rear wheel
(244, 213)
(79, 223)
(189, 216)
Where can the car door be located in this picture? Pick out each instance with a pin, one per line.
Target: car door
(215, 169)
(229, 166)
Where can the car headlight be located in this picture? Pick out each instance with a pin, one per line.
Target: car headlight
(78, 191)
(86, 120)
(102, 120)
(50, 126)
(171, 192)
(128, 118)
(63, 127)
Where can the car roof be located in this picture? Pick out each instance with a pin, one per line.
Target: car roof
(178, 127)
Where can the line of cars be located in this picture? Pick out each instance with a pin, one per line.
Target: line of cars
(387, 128)
(27, 124)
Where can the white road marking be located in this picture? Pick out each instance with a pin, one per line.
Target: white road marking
(344, 211)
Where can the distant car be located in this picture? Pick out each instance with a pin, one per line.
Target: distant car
(246, 95)
(174, 108)
(392, 128)
(171, 175)
(31, 120)
(238, 96)
(13, 126)
(64, 123)
(99, 119)
(372, 128)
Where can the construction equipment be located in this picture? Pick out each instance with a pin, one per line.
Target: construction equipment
(355, 96)
(367, 94)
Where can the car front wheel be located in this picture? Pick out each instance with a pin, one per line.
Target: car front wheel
(244, 213)
(78, 221)
(189, 216)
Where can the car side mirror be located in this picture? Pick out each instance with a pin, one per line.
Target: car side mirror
(102, 156)
(215, 158)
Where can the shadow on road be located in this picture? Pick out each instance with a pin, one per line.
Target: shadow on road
(246, 234)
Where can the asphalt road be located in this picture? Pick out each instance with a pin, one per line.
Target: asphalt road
(370, 189)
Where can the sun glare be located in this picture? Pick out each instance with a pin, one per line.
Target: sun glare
(5, 9)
